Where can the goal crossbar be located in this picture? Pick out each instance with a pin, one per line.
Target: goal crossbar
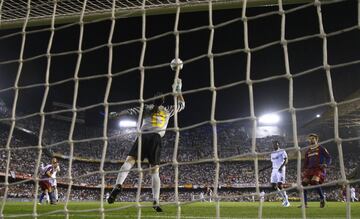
(13, 14)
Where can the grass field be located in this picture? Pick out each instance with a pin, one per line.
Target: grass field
(194, 210)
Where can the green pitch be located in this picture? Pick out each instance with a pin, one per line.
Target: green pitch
(195, 210)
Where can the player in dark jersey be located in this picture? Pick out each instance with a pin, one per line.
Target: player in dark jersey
(317, 159)
(154, 122)
(343, 193)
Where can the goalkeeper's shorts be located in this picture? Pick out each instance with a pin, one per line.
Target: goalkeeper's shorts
(150, 148)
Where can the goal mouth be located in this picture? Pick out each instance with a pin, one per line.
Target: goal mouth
(257, 80)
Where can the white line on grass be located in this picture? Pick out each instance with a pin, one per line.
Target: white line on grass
(163, 216)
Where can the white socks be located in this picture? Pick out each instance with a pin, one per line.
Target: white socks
(155, 185)
(124, 172)
(47, 197)
(283, 194)
(155, 179)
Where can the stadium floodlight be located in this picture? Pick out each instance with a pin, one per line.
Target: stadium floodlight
(269, 119)
(127, 123)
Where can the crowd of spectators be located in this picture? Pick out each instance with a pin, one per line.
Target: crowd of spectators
(26, 191)
(194, 145)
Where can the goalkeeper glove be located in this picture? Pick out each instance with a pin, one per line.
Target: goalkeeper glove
(113, 115)
(177, 85)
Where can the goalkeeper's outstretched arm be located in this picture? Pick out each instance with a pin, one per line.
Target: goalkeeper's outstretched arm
(177, 86)
(115, 115)
(135, 111)
(180, 99)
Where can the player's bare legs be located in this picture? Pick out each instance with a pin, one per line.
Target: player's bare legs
(155, 186)
(124, 171)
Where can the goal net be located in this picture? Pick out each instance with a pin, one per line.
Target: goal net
(253, 72)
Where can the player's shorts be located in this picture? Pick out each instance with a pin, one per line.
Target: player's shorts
(317, 172)
(53, 183)
(45, 185)
(151, 148)
(278, 177)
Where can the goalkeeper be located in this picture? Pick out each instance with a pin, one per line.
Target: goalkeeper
(154, 122)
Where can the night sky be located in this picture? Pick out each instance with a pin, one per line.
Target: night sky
(309, 89)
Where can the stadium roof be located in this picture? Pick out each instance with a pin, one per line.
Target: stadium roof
(348, 113)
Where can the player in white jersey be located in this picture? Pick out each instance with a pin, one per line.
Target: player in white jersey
(262, 196)
(53, 182)
(279, 160)
(45, 182)
(353, 194)
(154, 122)
(202, 197)
(209, 193)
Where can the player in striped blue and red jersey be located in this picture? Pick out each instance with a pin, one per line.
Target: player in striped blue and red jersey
(317, 159)
(46, 179)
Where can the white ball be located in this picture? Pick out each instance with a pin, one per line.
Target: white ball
(176, 62)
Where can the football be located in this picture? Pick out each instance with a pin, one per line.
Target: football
(176, 62)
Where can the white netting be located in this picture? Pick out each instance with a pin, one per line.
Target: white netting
(14, 12)
(228, 146)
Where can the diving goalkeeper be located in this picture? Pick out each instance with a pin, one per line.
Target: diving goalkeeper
(154, 122)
